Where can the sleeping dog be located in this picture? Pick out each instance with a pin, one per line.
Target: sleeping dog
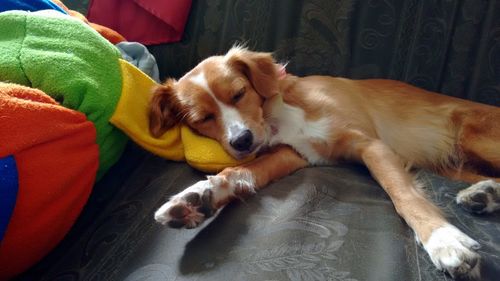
(250, 105)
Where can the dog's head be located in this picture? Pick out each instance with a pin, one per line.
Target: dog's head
(220, 98)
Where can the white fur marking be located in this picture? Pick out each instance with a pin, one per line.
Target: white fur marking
(231, 118)
(453, 251)
(240, 180)
(296, 131)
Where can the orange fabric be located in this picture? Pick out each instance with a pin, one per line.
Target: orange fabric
(106, 32)
(57, 159)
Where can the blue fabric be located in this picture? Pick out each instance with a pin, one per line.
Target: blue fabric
(8, 191)
(138, 55)
(29, 5)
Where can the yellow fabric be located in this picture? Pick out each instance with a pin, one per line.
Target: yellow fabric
(206, 154)
(179, 143)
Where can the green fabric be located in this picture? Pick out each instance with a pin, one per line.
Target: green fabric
(70, 62)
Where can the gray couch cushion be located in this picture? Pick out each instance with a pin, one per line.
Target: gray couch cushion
(322, 223)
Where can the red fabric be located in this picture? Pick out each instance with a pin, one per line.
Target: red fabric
(145, 21)
(108, 33)
(57, 160)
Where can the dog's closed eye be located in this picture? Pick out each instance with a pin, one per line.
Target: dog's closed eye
(238, 96)
(208, 117)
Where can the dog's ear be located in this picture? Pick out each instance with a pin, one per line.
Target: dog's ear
(260, 69)
(163, 108)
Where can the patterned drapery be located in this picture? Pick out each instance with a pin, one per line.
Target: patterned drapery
(446, 46)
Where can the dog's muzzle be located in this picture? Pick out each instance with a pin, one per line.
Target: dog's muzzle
(243, 141)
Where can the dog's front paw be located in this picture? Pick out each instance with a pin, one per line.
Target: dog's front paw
(201, 200)
(482, 197)
(454, 252)
(188, 208)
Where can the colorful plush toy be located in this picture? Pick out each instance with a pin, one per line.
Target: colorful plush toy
(67, 127)
(50, 159)
(70, 62)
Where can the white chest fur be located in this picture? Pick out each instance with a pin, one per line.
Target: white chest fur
(288, 125)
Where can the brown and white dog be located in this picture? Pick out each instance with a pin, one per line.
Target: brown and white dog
(245, 101)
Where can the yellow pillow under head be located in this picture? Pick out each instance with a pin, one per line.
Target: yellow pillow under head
(179, 143)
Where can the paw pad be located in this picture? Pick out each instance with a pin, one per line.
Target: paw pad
(482, 197)
(188, 210)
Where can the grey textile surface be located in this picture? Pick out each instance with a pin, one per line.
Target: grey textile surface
(321, 223)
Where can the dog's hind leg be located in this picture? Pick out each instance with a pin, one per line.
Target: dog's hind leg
(479, 141)
(449, 248)
(482, 197)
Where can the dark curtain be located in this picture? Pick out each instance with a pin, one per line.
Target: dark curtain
(448, 46)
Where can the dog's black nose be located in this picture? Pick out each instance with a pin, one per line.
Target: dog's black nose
(243, 141)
